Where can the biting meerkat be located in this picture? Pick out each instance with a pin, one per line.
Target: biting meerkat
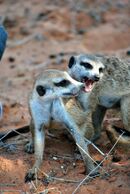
(87, 69)
(52, 100)
(112, 89)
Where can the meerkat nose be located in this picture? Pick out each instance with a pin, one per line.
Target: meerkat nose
(96, 78)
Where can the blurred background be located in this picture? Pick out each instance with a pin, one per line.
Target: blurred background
(44, 34)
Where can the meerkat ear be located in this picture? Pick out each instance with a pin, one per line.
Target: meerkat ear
(40, 90)
(71, 62)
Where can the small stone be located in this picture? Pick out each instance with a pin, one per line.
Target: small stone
(10, 21)
(52, 56)
(11, 59)
(54, 158)
(74, 164)
(62, 167)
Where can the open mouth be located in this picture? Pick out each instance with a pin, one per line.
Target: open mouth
(89, 84)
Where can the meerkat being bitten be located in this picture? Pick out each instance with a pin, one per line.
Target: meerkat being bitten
(112, 89)
(52, 96)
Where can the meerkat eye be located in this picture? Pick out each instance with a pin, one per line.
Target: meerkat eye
(40, 90)
(86, 65)
(71, 62)
(62, 83)
(101, 70)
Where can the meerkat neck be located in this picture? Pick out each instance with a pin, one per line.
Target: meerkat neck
(83, 99)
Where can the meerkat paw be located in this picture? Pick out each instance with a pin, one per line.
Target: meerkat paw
(92, 170)
(30, 176)
(29, 148)
(95, 173)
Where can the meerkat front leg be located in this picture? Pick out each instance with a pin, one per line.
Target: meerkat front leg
(97, 119)
(40, 119)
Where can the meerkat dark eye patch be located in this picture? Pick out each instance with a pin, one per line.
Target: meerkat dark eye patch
(62, 83)
(101, 70)
(71, 62)
(40, 90)
(86, 65)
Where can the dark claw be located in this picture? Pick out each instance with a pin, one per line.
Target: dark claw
(29, 148)
(29, 177)
(94, 174)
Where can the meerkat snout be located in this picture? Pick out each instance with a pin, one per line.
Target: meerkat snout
(96, 78)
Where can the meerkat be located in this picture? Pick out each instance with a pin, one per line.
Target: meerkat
(107, 85)
(53, 99)
(89, 70)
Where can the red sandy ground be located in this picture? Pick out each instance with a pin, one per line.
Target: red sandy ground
(108, 31)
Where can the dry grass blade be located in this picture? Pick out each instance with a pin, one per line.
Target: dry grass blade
(46, 191)
(91, 158)
(5, 135)
(62, 179)
(81, 183)
(7, 184)
(32, 183)
(21, 42)
(10, 132)
(11, 191)
(90, 142)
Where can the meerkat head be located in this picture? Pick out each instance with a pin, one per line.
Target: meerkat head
(55, 83)
(87, 69)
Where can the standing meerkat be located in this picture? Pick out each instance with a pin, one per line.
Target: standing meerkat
(112, 89)
(52, 99)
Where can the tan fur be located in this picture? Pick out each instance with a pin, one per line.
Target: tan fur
(113, 135)
(114, 84)
(107, 83)
(82, 118)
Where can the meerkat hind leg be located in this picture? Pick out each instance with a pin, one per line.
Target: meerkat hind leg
(114, 132)
(97, 119)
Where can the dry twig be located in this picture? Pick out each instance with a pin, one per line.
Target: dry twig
(91, 158)
(62, 179)
(97, 165)
(21, 42)
(10, 132)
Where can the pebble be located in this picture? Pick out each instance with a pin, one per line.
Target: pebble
(55, 158)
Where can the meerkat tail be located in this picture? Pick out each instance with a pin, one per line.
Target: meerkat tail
(113, 132)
